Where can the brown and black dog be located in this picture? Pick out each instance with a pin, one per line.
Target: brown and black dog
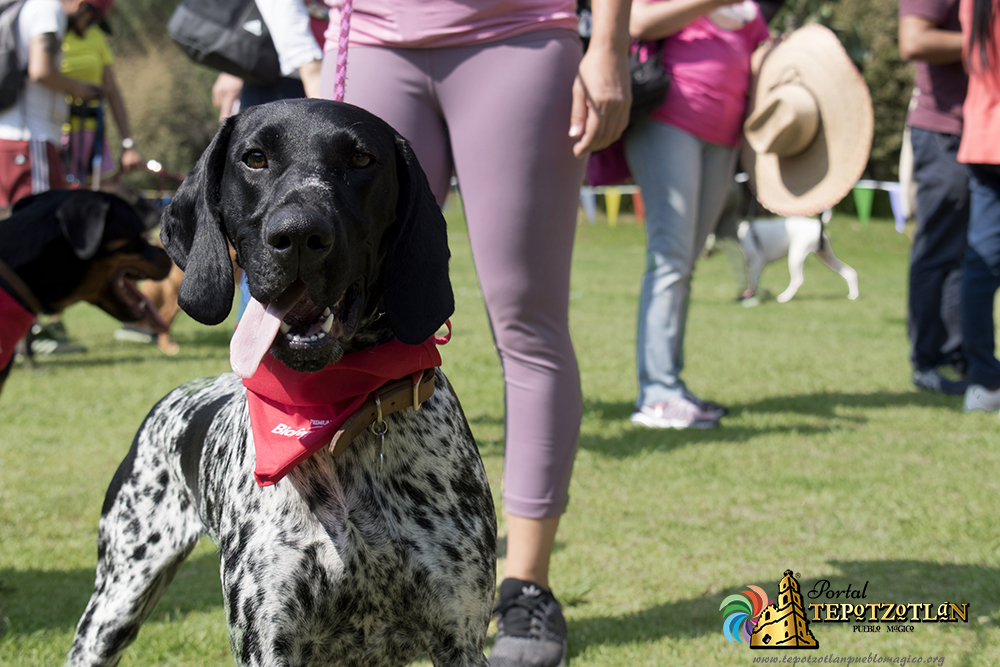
(65, 246)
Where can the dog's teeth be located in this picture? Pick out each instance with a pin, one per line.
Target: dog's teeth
(285, 327)
(328, 323)
(326, 312)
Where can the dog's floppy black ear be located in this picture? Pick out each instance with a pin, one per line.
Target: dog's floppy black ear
(81, 218)
(418, 297)
(192, 234)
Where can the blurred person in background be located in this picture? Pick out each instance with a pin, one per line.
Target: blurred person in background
(930, 34)
(88, 58)
(31, 128)
(297, 31)
(682, 156)
(980, 150)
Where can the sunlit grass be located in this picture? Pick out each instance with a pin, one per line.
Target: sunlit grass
(830, 464)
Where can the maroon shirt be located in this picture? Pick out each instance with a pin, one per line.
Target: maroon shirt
(939, 89)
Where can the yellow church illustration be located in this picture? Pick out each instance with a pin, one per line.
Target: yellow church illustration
(783, 623)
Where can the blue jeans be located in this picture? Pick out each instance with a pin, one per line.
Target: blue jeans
(938, 249)
(981, 275)
(684, 182)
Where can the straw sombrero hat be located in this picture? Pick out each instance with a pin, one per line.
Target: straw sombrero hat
(809, 123)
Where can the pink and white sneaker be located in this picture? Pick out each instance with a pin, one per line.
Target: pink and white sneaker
(675, 413)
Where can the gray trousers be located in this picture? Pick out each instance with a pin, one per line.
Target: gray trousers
(684, 182)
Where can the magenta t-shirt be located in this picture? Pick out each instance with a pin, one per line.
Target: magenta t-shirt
(440, 23)
(710, 70)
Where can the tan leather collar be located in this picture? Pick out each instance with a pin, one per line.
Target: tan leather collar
(390, 397)
(20, 288)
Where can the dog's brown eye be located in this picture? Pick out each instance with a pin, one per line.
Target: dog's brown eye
(361, 160)
(255, 160)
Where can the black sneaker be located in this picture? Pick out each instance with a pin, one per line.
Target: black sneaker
(531, 628)
(932, 380)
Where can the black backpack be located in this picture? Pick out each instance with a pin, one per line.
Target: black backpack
(227, 35)
(12, 75)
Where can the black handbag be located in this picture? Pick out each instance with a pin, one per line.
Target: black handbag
(227, 35)
(650, 80)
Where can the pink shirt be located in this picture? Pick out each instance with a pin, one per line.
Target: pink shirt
(981, 130)
(710, 70)
(440, 23)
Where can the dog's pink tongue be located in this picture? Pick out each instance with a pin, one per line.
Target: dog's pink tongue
(257, 329)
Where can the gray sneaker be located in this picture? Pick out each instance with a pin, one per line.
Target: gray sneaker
(531, 630)
(675, 413)
(932, 380)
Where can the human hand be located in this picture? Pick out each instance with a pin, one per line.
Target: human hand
(225, 92)
(602, 98)
(86, 91)
(310, 72)
(131, 160)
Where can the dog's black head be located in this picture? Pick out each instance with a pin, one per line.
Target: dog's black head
(78, 245)
(327, 208)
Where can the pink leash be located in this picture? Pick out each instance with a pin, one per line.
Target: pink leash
(346, 9)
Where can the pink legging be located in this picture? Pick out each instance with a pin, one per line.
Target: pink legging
(498, 116)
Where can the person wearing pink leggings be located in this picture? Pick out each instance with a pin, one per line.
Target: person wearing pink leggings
(496, 93)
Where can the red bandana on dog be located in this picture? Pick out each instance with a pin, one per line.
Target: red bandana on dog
(15, 321)
(293, 415)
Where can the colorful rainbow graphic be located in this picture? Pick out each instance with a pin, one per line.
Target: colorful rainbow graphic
(741, 613)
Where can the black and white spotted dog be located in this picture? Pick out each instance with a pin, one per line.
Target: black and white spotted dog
(342, 562)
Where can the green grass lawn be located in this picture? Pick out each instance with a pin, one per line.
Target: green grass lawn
(830, 464)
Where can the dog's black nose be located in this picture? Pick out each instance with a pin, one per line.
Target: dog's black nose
(299, 238)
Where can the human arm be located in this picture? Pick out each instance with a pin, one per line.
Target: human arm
(309, 72)
(656, 20)
(225, 92)
(288, 24)
(43, 68)
(921, 39)
(130, 156)
(602, 93)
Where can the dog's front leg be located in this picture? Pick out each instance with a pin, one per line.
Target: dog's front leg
(147, 529)
(796, 261)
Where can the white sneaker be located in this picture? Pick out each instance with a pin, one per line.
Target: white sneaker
(978, 397)
(676, 413)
